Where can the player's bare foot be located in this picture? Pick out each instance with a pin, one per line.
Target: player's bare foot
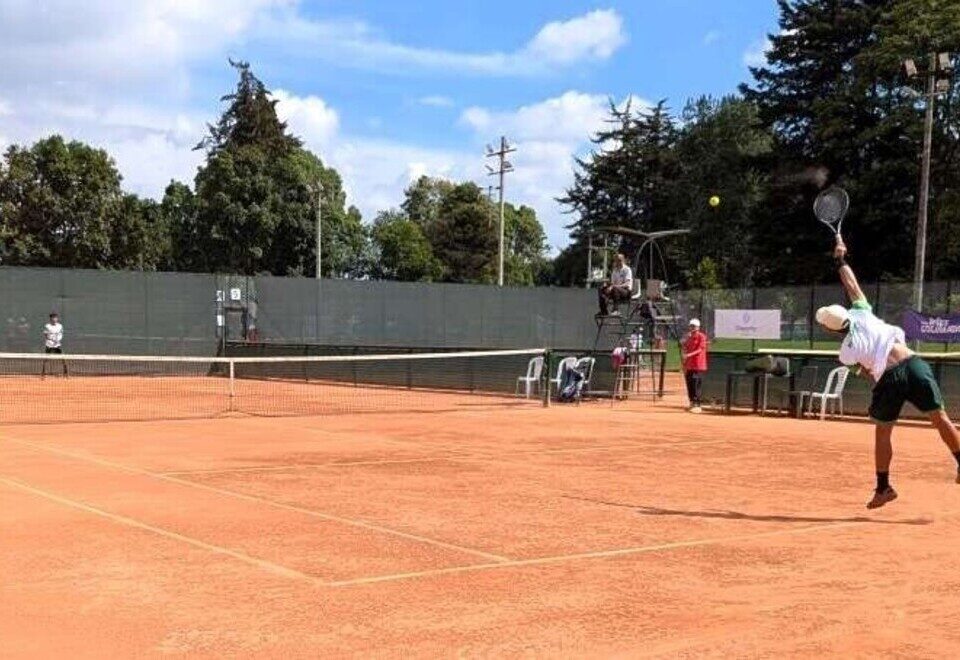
(882, 497)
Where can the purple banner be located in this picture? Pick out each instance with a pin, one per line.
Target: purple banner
(944, 329)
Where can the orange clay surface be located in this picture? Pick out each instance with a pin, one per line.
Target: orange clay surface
(575, 531)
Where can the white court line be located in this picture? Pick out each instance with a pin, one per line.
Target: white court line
(600, 554)
(263, 500)
(306, 466)
(269, 566)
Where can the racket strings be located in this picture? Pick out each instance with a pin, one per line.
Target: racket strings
(831, 205)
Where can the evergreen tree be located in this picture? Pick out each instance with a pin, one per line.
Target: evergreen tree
(464, 239)
(832, 92)
(256, 198)
(249, 120)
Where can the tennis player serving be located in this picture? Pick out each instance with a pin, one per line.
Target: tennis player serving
(898, 374)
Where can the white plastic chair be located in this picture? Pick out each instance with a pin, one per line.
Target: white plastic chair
(565, 362)
(531, 381)
(832, 393)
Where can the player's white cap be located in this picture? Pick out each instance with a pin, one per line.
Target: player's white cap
(695, 323)
(833, 317)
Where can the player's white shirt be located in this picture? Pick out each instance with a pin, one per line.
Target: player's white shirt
(622, 276)
(52, 335)
(869, 341)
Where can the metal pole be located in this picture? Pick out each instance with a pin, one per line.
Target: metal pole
(589, 260)
(921, 246)
(319, 227)
(503, 153)
(504, 166)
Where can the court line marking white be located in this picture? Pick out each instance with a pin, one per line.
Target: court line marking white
(373, 527)
(599, 554)
(264, 564)
(306, 466)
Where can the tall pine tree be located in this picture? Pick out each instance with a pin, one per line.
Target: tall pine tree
(256, 198)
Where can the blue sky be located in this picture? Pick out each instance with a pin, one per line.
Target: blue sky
(382, 90)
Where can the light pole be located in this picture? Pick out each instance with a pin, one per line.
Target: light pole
(319, 226)
(503, 167)
(938, 82)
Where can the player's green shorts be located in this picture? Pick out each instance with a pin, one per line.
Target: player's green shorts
(912, 380)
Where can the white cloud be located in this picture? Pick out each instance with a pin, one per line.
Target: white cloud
(436, 101)
(547, 135)
(756, 53)
(314, 120)
(150, 146)
(117, 75)
(105, 44)
(571, 117)
(590, 37)
(595, 35)
(711, 37)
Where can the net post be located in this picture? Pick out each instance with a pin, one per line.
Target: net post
(232, 379)
(545, 376)
(663, 373)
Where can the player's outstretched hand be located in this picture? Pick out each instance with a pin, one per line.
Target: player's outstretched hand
(840, 249)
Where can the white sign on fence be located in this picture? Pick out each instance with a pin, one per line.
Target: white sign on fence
(747, 323)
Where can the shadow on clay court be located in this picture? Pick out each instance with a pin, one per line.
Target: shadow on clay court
(737, 515)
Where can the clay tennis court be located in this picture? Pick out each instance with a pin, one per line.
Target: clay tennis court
(501, 531)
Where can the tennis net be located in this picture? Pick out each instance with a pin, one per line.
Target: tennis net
(83, 388)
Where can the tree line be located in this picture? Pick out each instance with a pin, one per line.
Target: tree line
(829, 107)
(252, 209)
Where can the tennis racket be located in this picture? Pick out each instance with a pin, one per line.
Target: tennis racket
(831, 207)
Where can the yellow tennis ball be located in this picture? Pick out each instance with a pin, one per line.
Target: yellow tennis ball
(715, 201)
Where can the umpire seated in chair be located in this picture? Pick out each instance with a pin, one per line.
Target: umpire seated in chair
(618, 289)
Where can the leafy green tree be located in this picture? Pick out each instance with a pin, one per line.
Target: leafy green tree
(706, 275)
(404, 253)
(470, 253)
(525, 247)
(61, 205)
(179, 212)
(422, 201)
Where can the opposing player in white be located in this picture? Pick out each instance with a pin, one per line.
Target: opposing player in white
(53, 340)
(898, 374)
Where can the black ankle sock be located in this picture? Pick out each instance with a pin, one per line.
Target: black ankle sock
(883, 481)
(956, 455)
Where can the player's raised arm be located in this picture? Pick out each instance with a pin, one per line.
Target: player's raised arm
(847, 277)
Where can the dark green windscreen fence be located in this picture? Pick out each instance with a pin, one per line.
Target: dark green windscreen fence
(138, 313)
